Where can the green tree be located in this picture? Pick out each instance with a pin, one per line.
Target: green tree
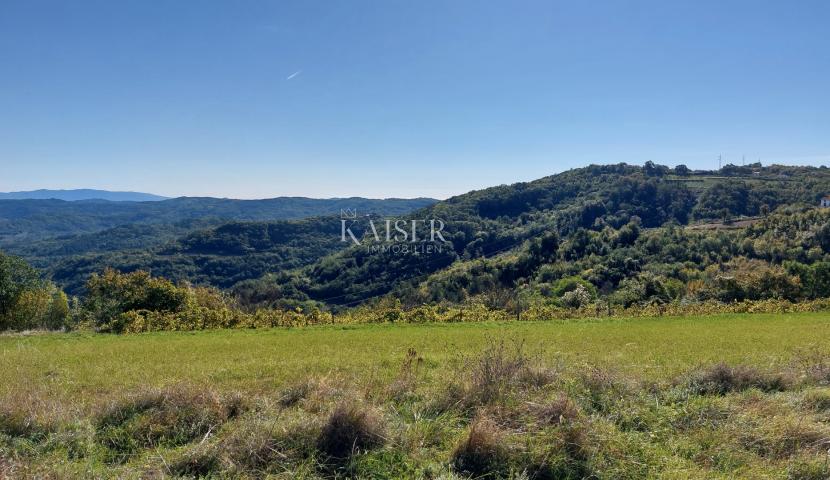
(682, 170)
(112, 293)
(16, 277)
(27, 301)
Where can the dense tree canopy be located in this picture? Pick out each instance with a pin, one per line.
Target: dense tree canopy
(625, 234)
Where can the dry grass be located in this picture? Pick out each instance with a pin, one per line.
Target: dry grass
(405, 383)
(603, 388)
(783, 436)
(270, 440)
(18, 423)
(582, 422)
(296, 392)
(199, 461)
(720, 379)
(808, 468)
(813, 364)
(482, 451)
(162, 418)
(559, 411)
(351, 428)
(501, 371)
(504, 414)
(817, 400)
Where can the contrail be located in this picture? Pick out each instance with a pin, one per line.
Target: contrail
(293, 74)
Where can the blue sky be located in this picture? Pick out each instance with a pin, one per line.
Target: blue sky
(399, 98)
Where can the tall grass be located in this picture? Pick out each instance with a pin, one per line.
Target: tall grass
(496, 409)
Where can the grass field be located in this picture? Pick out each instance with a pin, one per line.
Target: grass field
(633, 398)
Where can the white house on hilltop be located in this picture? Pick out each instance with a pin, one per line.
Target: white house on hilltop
(824, 202)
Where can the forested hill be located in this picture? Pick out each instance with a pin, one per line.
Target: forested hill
(221, 256)
(635, 233)
(26, 220)
(554, 219)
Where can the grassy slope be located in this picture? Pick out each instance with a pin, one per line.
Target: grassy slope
(88, 369)
(568, 422)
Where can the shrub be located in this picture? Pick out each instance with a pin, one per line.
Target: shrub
(748, 279)
(570, 284)
(645, 288)
(112, 294)
(576, 298)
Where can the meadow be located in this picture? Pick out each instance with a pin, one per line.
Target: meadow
(724, 396)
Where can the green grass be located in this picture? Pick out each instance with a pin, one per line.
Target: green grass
(88, 367)
(612, 398)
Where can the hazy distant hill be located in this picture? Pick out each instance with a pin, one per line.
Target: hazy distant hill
(81, 194)
(23, 221)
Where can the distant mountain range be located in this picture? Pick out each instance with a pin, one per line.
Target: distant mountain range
(22, 221)
(81, 194)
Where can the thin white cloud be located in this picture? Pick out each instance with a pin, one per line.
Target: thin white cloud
(293, 74)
